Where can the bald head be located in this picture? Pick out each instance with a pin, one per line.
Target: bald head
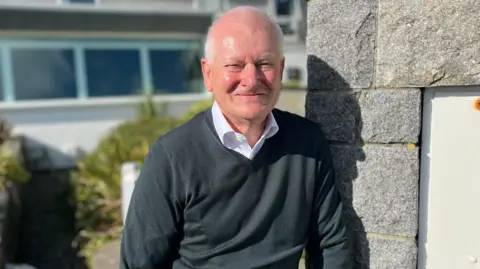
(244, 17)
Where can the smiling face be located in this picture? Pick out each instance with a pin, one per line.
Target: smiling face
(244, 73)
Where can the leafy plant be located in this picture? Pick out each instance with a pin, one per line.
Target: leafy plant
(97, 182)
(11, 169)
(98, 179)
(149, 108)
(197, 108)
(5, 130)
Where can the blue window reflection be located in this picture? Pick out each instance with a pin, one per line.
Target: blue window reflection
(43, 73)
(284, 7)
(175, 71)
(113, 72)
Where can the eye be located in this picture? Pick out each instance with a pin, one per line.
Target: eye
(234, 67)
(265, 65)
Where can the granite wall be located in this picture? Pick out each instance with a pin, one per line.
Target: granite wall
(369, 62)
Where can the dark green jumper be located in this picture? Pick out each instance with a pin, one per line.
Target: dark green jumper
(198, 204)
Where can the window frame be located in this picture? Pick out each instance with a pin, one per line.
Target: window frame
(79, 45)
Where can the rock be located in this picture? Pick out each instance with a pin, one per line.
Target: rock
(428, 43)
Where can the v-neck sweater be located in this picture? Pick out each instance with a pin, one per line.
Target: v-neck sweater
(198, 204)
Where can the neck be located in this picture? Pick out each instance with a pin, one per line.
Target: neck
(251, 129)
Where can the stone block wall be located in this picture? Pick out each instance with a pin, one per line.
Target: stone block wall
(368, 64)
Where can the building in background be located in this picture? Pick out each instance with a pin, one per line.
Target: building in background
(70, 70)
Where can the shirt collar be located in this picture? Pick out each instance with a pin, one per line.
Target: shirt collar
(223, 127)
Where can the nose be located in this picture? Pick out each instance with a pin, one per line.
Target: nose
(249, 78)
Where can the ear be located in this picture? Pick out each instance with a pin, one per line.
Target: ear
(207, 75)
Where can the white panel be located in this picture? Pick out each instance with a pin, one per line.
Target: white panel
(450, 181)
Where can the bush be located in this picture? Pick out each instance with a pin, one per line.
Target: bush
(10, 167)
(197, 108)
(97, 182)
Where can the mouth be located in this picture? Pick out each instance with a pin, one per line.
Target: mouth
(250, 94)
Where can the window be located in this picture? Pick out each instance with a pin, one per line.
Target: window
(43, 73)
(54, 69)
(113, 72)
(175, 71)
(284, 7)
(294, 73)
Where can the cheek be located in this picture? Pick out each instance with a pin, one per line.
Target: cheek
(227, 79)
(272, 77)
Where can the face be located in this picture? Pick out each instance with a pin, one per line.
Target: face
(245, 72)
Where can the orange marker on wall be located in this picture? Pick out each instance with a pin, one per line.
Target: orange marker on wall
(476, 105)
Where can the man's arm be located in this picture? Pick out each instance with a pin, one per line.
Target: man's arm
(328, 246)
(151, 233)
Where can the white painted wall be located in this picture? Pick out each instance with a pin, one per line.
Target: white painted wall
(65, 125)
(449, 234)
(296, 56)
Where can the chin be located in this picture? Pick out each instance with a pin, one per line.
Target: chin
(254, 110)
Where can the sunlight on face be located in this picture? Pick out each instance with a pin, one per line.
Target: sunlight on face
(245, 72)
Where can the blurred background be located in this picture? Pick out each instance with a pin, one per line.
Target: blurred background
(85, 87)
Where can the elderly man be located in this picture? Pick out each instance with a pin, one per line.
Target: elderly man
(242, 185)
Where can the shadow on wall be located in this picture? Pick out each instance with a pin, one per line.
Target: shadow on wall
(334, 105)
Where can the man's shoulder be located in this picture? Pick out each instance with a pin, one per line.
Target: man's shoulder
(296, 124)
(301, 135)
(184, 140)
(183, 136)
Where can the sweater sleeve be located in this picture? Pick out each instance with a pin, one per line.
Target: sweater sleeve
(151, 234)
(328, 246)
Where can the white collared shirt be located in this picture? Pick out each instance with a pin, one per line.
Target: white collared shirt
(236, 141)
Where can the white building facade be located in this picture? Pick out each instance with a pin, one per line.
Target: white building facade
(70, 70)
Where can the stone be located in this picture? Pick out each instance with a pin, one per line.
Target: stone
(337, 112)
(368, 116)
(386, 253)
(340, 44)
(380, 187)
(391, 116)
(427, 43)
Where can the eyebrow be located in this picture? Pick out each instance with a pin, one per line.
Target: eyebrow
(263, 57)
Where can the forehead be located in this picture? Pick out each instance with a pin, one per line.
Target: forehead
(247, 42)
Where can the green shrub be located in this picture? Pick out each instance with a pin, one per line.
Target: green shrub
(197, 108)
(97, 182)
(10, 167)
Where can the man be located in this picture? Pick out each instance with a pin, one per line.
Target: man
(242, 185)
